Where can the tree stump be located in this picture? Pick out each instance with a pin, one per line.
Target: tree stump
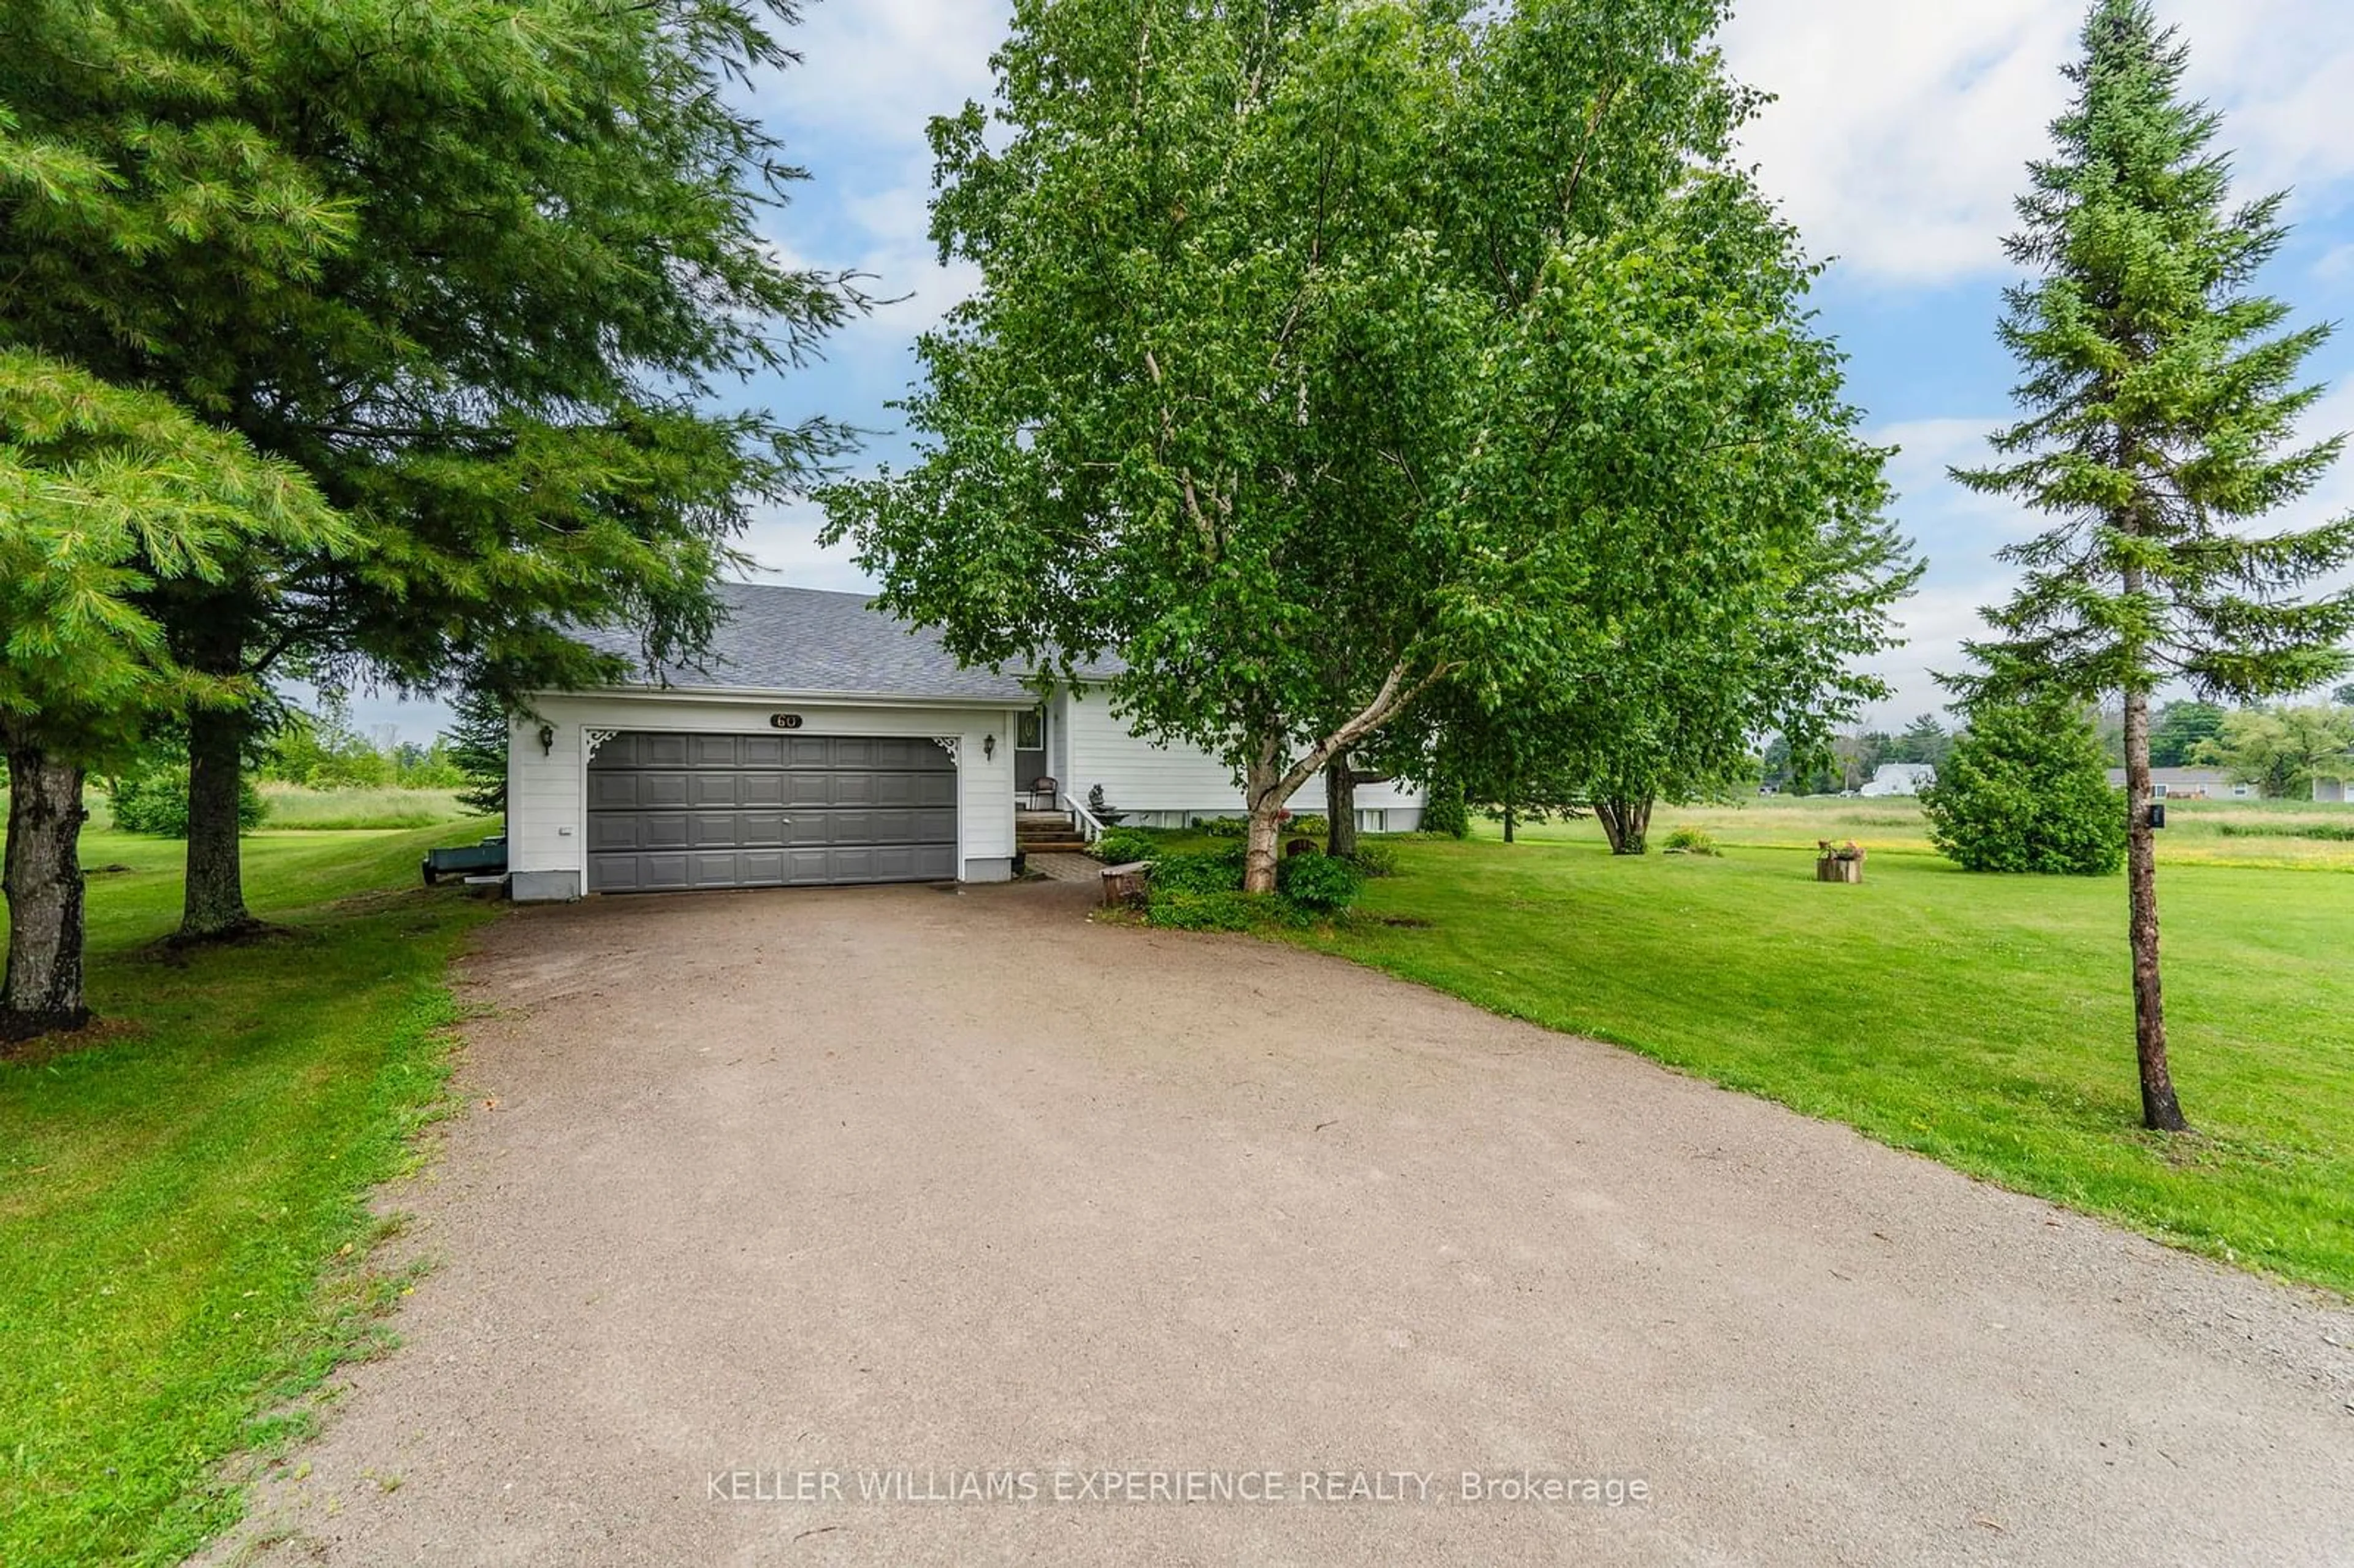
(1832, 868)
(1124, 883)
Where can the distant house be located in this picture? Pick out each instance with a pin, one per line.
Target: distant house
(1900, 779)
(2330, 787)
(2190, 784)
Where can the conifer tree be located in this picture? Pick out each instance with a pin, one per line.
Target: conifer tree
(2162, 398)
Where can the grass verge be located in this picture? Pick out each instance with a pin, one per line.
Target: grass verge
(1982, 1020)
(183, 1201)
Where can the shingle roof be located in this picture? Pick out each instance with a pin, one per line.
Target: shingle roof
(807, 641)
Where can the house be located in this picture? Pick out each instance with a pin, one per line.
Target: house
(2330, 787)
(819, 741)
(2190, 784)
(1900, 779)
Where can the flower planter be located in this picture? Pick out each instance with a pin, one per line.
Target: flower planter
(1839, 862)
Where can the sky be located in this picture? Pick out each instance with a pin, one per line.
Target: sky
(1896, 140)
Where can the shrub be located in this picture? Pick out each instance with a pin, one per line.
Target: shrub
(2026, 787)
(1691, 841)
(1320, 884)
(1223, 827)
(1118, 847)
(1203, 870)
(1204, 911)
(155, 801)
(1199, 891)
(1375, 859)
(1310, 824)
(1444, 809)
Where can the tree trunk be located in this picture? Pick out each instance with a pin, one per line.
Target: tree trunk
(1340, 806)
(1511, 822)
(1264, 791)
(214, 903)
(2159, 1109)
(1627, 823)
(42, 988)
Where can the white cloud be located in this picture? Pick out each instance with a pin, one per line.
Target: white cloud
(782, 542)
(878, 70)
(1903, 126)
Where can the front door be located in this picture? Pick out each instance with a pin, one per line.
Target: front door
(1029, 750)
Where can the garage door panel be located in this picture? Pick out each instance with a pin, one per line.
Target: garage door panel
(616, 789)
(762, 830)
(614, 830)
(714, 788)
(656, 791)
(673, 811)
(760, 868)
(715, 830)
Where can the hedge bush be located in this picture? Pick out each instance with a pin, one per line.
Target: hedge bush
(1118, 847)
(155, 801)
(1444, 810)
(1691, 841)
(1320, 884)
(2026, 787)
(1204, 891)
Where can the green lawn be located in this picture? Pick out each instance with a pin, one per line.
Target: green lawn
(1983, 1021)
(181, 1202)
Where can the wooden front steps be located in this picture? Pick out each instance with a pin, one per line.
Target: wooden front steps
(1046, 832)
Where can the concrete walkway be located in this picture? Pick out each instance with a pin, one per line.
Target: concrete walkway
(937, 1193)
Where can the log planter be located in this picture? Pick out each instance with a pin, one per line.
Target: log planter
(1124, 885)
(1839, 862)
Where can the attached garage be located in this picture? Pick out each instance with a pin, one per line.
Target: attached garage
(668, 811)
(818, 741)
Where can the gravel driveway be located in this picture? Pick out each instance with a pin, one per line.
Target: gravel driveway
(766, 1197)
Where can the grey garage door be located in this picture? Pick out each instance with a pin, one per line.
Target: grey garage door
(668, 811)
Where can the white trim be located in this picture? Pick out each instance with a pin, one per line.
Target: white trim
(771, 695)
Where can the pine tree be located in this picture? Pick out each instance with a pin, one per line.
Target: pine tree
(471, 270)
(478, 746)
(2162, 398)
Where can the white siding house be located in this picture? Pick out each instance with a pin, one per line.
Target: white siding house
(820, 742)
(1900, 779)
(1156, 786)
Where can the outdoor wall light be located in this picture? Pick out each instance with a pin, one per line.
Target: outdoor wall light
(988, 747)
(548, 740)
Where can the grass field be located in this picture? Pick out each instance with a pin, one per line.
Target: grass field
(181, 1201)
(2198, 832)
(293, 806)
(1983, 1021)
